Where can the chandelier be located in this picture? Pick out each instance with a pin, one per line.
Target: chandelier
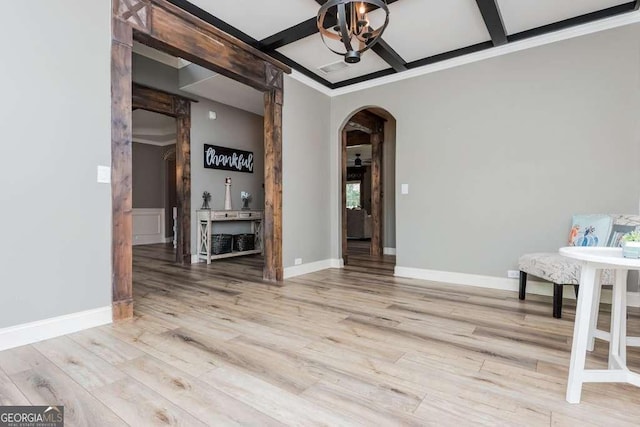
(353, 28)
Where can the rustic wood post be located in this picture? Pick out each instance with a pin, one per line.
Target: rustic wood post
(163, 25)
(121, 194)
(183, 179)
(376, 191)
(273, 100)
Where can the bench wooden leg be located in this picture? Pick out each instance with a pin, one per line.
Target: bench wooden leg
(523, 285)
(557, 300)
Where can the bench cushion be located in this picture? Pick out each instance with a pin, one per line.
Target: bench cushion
(557, 269)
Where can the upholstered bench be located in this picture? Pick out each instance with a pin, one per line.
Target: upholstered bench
(559, 270)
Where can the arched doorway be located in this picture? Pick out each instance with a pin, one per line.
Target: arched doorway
(368, 187)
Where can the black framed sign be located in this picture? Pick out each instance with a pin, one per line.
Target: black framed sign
(229, 159)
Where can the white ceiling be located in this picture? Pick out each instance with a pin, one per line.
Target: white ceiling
(260, 18)
(143, 119)
(153, 128)
(364, 150)
(312, 54)
(418, 29)
(226, 91)
(522, 15)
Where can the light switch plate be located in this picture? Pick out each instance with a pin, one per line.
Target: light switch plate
(104, 174)
(404, 189)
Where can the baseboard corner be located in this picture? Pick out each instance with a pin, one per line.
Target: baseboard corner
(312, 267)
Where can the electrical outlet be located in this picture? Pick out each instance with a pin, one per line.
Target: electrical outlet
(513, 274)
(298, 261)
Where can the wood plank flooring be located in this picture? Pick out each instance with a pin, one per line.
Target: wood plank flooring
(215, 345)
(360, 259)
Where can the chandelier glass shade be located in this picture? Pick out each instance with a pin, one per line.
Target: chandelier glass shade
(353, 28)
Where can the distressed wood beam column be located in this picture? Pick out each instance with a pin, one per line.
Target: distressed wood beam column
(121, 165)
(183, 179)
(376, 191)
(273, 99)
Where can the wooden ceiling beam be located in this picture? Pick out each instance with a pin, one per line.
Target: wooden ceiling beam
(208, 47)
(493, 20)
(390, 56)
(357, 137)
(367, 121)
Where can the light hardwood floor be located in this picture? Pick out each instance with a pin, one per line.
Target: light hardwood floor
(215, 345)
(360, 259)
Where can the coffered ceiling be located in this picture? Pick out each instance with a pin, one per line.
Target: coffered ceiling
(420, 32)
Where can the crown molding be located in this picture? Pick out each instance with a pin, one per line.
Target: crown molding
(516, 46)
(150, 142)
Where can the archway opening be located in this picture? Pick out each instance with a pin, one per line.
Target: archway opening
(368, 138)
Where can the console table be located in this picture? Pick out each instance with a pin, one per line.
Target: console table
(206, 220)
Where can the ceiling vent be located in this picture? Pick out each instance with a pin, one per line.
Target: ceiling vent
(332, 68)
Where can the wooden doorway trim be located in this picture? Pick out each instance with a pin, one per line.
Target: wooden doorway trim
(371, 127)
(162, 25)
(179, 107)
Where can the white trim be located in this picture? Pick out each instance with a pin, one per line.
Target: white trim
(502, 283)
(556, 36)
(152, 217)
(297, 75)
(156, 143)
(195, 259)
(159, 56)
(28, 333)
(312, 267)
(389, 251)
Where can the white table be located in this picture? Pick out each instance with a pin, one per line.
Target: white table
(593, 260)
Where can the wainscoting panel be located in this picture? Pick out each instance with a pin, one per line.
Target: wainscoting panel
(148, 226)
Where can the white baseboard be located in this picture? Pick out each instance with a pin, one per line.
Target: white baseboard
(502, 283)
(389, 251)
(194, 259)
(28, 333)
(312, 267)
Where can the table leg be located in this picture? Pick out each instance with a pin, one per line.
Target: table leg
(618, 344)
(581, 333)
(595, 310)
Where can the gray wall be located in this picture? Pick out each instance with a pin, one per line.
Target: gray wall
(149, 175)
(56, 240)
(500, 153)
(233, 128)
(306, 174)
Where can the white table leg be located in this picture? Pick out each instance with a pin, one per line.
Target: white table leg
(595, 310)
(581, 333)
(618, 344)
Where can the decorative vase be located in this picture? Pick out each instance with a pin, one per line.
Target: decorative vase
(631, 250)
(227, 194)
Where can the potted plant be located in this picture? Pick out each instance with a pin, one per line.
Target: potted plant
(631, 245)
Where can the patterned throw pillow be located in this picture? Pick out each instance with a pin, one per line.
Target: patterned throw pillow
(590, 230)
(622, 225)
